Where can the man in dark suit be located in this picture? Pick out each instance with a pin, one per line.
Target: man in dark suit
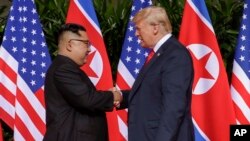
(159, 104)
(75, 110)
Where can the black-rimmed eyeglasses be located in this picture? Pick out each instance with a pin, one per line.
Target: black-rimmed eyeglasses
(83, 41)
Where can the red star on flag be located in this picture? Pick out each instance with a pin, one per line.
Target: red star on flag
(90, 72)
(199, 66)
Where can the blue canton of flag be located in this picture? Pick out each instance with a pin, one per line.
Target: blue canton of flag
(24, 40)
(133, 55)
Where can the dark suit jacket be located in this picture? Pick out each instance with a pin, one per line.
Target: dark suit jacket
(74, 109)
(159, 104)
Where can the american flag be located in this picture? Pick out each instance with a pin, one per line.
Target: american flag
(212, 106)
(97, 67)
(24, 60)
(132, 59)
(240, 87)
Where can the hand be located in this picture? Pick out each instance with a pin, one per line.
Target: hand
(117, 97)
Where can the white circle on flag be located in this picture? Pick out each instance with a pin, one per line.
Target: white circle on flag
(203, 85)
(96, 65)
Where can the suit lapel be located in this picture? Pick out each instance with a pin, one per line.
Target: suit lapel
(146, 68)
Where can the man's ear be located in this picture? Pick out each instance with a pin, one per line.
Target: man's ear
(69, 47)
(156, 29)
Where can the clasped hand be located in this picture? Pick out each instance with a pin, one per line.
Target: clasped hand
(117, 96)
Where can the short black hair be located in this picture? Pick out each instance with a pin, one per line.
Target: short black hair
(72, 27)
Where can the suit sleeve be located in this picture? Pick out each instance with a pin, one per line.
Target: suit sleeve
(80, 92)
(124, 103)
(177, 76)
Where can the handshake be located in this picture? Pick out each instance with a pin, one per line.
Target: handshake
(117, 96)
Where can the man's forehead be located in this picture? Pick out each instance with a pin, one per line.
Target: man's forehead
(81, 34)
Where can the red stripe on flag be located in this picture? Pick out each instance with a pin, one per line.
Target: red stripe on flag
(123, 114)
(7, 95)
(40, 96)
(8, 71)
(239, 115)
(22, 128)
(121, 83)
(237, 84)
(7, 118)
(36, 119)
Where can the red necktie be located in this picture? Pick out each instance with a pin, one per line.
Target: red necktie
(150, 56)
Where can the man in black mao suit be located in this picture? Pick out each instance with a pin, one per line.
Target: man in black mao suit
(159, 104)
(75, 110)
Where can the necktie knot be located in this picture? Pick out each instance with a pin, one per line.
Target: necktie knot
(150, 56)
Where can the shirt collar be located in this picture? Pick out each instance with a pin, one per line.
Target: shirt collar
(161, 41)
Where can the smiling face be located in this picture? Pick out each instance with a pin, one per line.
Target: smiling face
(80, 48)
(74, 46)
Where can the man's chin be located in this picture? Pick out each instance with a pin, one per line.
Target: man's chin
(85, 62)
(142, 44)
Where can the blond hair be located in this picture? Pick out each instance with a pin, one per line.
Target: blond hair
(154, 15)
